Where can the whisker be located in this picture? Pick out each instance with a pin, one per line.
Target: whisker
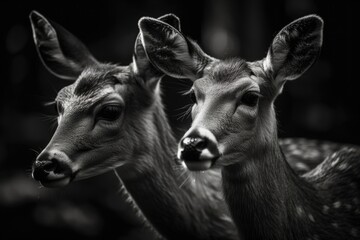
(52, 119)
(47, 117)
(179, 84)
(35, 151)
(180, 114)
(185, 115)
(118, 177)
(53, 125)
(49, 103)
(179, 81)
(198, 178)
(183, 107)
(180, 87)
(185, 81)
(187, 92)
(186, 179)
(182, 174)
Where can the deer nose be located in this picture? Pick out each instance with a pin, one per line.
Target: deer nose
(192, 148)
(42, 169)
(198, 149)
(52, 169)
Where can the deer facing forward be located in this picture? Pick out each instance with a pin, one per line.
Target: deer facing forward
(234, 127)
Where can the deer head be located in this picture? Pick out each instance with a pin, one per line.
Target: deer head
(102, 114)
(233, 114)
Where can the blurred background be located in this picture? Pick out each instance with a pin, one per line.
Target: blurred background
(322, 104)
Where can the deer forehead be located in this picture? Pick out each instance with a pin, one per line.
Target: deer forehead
(229, 90)
(91, 86)
(84, 101)
(226, 71)
(94, 79)
(229, 77)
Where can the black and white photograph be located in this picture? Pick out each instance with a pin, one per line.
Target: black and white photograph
(199, 120)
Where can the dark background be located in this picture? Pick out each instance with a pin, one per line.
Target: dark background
(322, 104)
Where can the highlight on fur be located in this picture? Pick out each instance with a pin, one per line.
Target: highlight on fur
(234, 127)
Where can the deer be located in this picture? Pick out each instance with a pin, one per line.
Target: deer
(234, 129)
(111, 118)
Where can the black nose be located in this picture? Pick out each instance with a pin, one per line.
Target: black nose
(192, 148)
(49, 162)
(41, 169)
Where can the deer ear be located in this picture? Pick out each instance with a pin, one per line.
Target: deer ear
(170, 51)
(294, 49)
(61, 52)
(172, 20)
(140, 59)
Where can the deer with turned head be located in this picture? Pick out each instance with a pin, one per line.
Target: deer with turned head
(111, 117)
(234, 127)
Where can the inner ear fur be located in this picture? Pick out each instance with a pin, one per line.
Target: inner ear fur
(170, 51)
(141, 63)
(294, 49)
(61, 52)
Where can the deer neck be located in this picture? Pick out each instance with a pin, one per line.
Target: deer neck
(175, 204)
(266, 198)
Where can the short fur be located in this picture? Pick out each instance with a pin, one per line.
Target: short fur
(267, 199)
(140, 144)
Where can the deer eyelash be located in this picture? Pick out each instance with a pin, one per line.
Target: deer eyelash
(258, 94)
(188, 92)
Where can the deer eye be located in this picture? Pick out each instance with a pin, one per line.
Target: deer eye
(250, 99)
(109, 113)
(193, 97)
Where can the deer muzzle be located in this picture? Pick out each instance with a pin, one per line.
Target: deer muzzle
(52, 168)
(198, 149)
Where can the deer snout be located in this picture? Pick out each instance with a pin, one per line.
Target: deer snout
(198, 149)
(52, 168)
